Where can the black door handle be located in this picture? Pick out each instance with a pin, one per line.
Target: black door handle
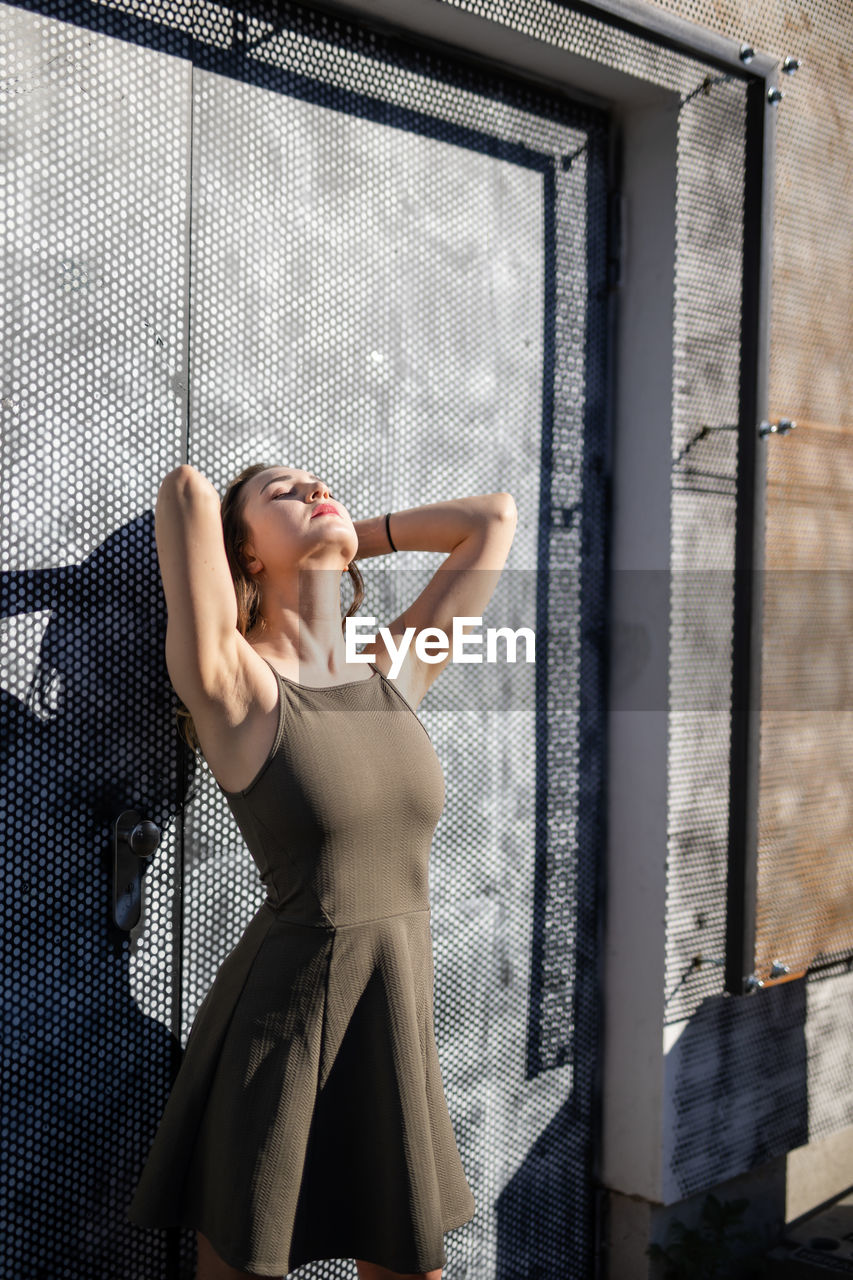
(135, 842)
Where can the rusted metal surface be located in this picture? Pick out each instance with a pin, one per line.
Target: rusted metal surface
(805, 867)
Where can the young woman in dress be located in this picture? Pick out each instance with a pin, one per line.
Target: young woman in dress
(244, 594)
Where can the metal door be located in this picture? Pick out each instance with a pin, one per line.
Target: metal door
(293, 240)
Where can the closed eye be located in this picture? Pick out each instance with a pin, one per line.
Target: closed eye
(286, 493)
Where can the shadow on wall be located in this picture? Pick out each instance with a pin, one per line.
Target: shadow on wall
(87, 1073)
(537, 1208)
(737, 1084)
(737, 1080)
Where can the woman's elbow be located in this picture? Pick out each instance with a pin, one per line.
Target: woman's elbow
(505, 507)
(185, 481)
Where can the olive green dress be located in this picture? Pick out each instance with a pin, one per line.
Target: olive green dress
(308, 1118)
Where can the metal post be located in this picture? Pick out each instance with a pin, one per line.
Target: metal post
(749, 544)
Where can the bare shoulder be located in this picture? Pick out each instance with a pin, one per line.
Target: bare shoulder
(236, 718)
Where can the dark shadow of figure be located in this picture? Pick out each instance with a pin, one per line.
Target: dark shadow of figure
(87, 1074)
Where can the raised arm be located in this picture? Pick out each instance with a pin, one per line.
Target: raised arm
(477, 532)
(201, 632)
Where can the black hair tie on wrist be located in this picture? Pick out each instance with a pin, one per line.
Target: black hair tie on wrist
(388, 529)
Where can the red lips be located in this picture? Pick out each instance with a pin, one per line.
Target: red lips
(323, 507)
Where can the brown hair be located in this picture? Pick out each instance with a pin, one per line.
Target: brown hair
(246, 587)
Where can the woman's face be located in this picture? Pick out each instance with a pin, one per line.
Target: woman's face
(283, 530)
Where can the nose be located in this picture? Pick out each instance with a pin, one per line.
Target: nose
(319, 487)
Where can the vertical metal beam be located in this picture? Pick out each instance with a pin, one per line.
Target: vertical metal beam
(749, 542)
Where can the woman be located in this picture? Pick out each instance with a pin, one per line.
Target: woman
(308, 1118)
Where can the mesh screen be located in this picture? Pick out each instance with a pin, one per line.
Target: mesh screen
(308, 342)
(805, 874)
(709, 238)
(805, 868)
(94, 309)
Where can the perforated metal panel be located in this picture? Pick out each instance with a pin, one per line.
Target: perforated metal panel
(420, 300)
(807, 738)
(394, 271)
(709, 233)
(805, 875)
(94, 308)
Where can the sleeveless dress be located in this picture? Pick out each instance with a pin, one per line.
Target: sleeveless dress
(308, 1118)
